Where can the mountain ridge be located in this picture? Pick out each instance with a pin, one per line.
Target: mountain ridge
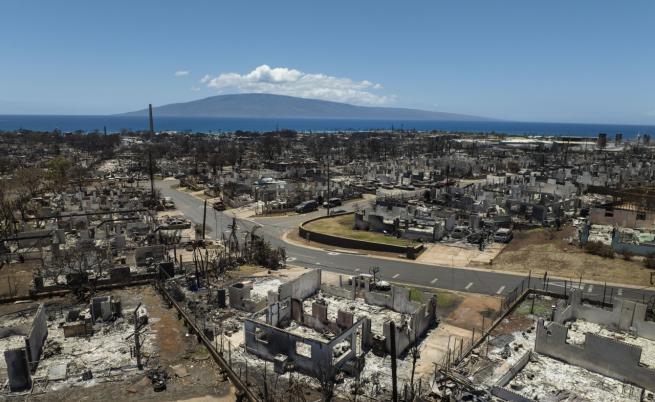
(258, 105)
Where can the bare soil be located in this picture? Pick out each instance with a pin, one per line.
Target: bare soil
(542, 250)
(16, 278)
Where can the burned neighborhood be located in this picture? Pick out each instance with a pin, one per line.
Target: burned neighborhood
(365, 265)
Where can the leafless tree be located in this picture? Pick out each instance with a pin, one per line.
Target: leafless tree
(326, 376)
(415, 354)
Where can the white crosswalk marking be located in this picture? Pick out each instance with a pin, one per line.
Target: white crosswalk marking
(500, 290)
(395, 276)
(590, 288)
(620, 292)
(467, 287)
(434, 280)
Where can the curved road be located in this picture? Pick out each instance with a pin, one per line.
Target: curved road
(459, 279)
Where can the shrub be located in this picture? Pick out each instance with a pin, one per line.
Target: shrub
(649, 261)
(599, 249)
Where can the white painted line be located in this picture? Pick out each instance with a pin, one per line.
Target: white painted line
(290, 259)
(318, 263)
(434, 280)
(333, 253)
(500, 290)
(620, 292)
(467, 287)
(395, 276)
(356, 269)
(590, 288)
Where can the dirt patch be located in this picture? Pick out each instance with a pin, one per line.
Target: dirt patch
(458, 255)
(542, 250)
(16, 278)
(471, 309)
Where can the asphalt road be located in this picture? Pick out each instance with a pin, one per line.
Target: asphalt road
(459, 279)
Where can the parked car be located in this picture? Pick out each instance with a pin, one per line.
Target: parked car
(219, 205)
(337, 211)
(307, 206)
(459, 232)
(168, 203)
(332, 202)
(503, 235)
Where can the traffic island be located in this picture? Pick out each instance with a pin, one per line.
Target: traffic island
(338, 231)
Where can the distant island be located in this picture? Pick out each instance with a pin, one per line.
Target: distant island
(256, 105)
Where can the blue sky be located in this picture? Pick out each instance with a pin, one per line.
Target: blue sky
(560, 61)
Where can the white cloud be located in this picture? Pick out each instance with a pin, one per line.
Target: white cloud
(650, 113)
(181, 73)
(287, 81)
(195, 88)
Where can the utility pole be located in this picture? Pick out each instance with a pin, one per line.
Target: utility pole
(137, 339)
(150, 121)
(204, 220)
(328, 180)
(152, 177)
(394, 378)
(151, 126)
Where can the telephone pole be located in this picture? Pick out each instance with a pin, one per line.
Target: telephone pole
(152, 175)
(137, 338)
(204, 220)
(328, 180)
(151, 125)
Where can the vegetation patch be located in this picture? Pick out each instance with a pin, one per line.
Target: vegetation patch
(343, 226)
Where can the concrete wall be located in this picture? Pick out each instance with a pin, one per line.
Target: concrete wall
(268, 342)
(643, 250)
(282, 347)
(626, 315)
(21, 362)
(621, 217)
(18, 369)
(397, 300)
(278, 313)
(601, 355)
(36, 337)
(338, 291)
(302, 287)
(421, 319)
(319, 321)
(514, 370)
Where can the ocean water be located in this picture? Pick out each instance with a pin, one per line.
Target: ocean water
(208, 124)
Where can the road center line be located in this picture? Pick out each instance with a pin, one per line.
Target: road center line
(500, 290)
(467, 287)
(434, 280)
(395, 276)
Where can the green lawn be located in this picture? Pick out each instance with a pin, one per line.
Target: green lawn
(343, 226)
